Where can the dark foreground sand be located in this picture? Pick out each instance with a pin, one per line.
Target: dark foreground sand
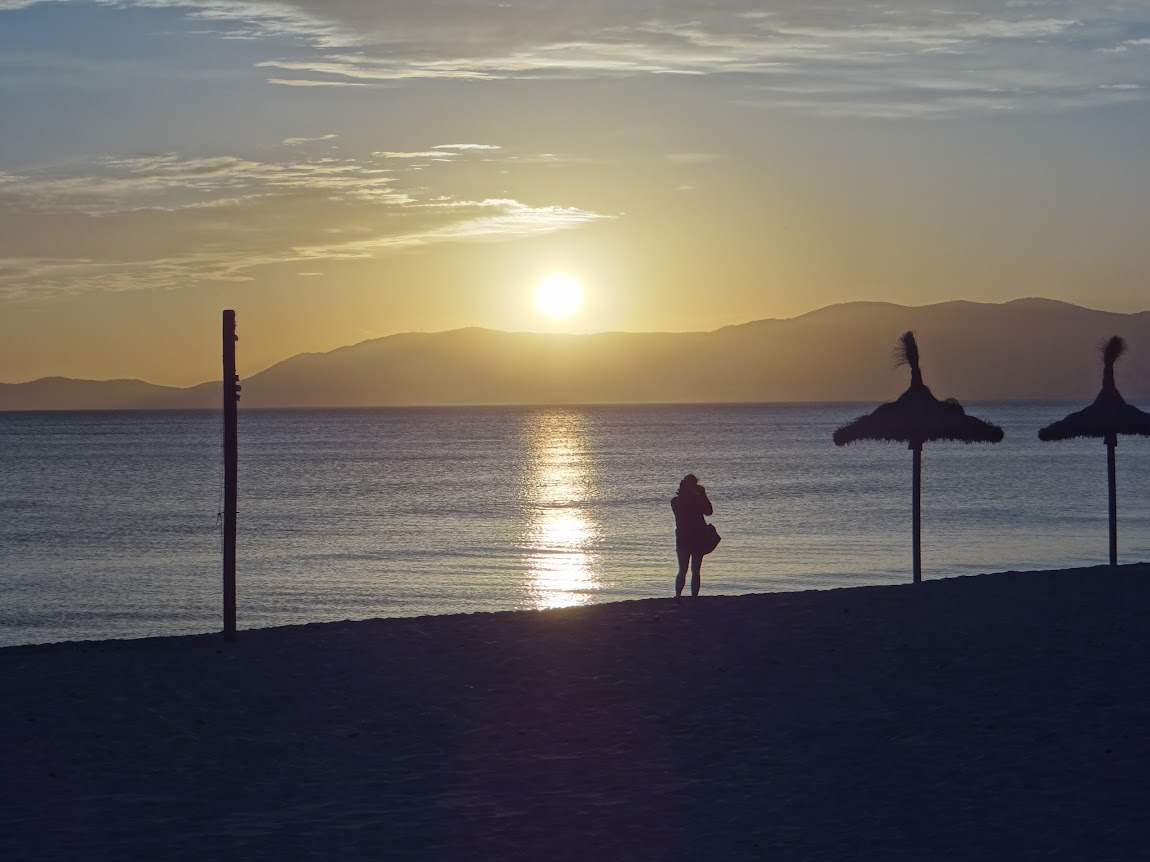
(999, 717)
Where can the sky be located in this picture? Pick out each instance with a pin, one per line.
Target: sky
(339, 170)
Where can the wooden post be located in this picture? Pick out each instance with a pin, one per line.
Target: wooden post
(916, 505)
(231, 398)
(1112, 481)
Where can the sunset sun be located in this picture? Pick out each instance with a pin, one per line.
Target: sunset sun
(558, 295)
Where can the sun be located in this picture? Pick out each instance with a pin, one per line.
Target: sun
(558, 295)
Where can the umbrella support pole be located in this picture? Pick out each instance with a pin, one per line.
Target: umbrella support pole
(916, 511)
(1112, 482)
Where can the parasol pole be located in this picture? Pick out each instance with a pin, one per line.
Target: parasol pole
(916, 506)
(1112, 480)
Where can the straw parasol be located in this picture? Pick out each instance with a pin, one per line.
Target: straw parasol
(1107, 417)
(917, 417)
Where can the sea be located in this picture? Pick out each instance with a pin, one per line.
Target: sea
(111, 527)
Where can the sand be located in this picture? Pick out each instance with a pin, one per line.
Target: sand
(1003, 716)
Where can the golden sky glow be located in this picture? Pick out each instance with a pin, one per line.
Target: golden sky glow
(343, 171)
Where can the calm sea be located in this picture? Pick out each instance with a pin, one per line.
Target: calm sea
(109, 522)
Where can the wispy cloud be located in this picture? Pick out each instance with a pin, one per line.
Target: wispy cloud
(168, 181)
(295, 142)
(902, 58)
(417, 154)
(308, 82)
(159, 220)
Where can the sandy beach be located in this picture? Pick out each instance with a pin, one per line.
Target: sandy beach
(994, 717)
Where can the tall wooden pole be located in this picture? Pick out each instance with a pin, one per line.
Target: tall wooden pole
(916, 505)
(231, 468)
(1112, 481)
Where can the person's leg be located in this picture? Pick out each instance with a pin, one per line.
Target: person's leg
(696, 576)
(681, 578)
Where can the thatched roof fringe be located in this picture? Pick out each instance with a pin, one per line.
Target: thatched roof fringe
(1103, 420)
(917, 417)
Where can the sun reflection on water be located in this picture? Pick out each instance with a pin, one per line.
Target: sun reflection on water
(560, 537)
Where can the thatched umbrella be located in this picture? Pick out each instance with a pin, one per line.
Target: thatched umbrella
(917, 417)
(1107, 417)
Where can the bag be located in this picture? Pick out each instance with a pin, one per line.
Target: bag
(710, 539)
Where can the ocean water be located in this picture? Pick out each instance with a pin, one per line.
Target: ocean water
(109, 522)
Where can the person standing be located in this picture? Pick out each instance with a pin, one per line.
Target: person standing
(690, 506)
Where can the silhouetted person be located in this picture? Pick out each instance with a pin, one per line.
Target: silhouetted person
(690, 506)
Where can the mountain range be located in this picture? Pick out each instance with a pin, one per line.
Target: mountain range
(1023, 349)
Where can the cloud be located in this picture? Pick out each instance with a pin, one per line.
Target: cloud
(417, 154)
(303, 82)
(169, 181)
(915, 57)
(295, 142)
(160, 220)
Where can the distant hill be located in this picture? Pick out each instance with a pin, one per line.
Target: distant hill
(63, 393)
(1027, 348)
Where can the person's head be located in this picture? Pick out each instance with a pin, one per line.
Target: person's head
(689, 483)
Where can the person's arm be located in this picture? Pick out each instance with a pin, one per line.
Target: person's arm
(705, 504)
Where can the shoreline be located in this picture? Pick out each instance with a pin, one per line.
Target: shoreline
(989, 716)
(168, 641)
(302, 627)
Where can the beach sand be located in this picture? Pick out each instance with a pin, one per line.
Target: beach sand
(1003, 716)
